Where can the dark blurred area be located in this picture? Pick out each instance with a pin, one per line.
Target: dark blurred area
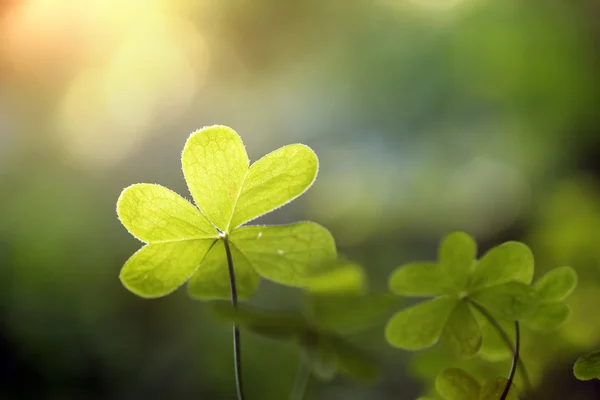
(427, 116)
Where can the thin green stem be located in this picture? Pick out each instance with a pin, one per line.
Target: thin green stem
(506, 339)
(301, 381)
(237, 347)
(513, 367)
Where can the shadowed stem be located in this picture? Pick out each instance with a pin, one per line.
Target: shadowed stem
(513, 367)
(237, 348)
(506, 339)
(301, 381)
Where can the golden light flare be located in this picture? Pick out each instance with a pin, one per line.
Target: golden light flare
(150, 78)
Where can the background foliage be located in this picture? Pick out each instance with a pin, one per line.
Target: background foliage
(427, 116)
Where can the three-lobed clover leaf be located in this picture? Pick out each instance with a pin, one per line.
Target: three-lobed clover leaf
(498, 282)
(549, 314)
(457, 384)
(185, 242)
(587, 367)
(334, 310)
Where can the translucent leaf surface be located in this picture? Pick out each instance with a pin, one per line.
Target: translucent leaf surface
(457, 384)
(419, 279)
(160, 268)
(557, 284)
(155, 214)
(511, 301)
(461, 333)
(215, 165)
(274, 180)
(510, 261)
(492, 390)
(286, 254)
(456, 256)
(588, 366)
(420, 326)
(548, 317)
(211, 279)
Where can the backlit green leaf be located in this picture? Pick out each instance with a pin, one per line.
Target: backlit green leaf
(215, 165)
(154, 214)
(211, 280)
(420, 326)
(419, 279)
(557, 284)
(511, 301)
(548, 317)
(461, 333)
(286, 254)
(588, 366)
(160, 268)
(456, 256)
(457, 384)
(492, 390)
(274, 180)
(510, 261)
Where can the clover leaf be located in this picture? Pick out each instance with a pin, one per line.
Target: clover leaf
(587, 367)
(552, 289)
(185, 242)
(457, 384)
(498, 282)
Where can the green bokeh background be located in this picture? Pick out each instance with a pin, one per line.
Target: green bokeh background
(427, 116)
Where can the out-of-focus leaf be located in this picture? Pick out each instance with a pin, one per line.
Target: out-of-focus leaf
(350, 313)
(511, 301)
(420, 326)
(419, 279)
(510, 261)
(320, 356)
(456, 256)
(588, 366)
(492, 390)
(548, 317)
(462, 333)
(457, 384)
(277, 324)
(493, 347)
(337, 278)
(557, 284)
(355, 363)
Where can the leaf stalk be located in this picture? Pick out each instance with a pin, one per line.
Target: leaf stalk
(237, 347)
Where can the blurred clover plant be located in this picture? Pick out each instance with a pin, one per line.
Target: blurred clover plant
(336, 306)
(206, 243)
(497, 286)
(457, 384)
